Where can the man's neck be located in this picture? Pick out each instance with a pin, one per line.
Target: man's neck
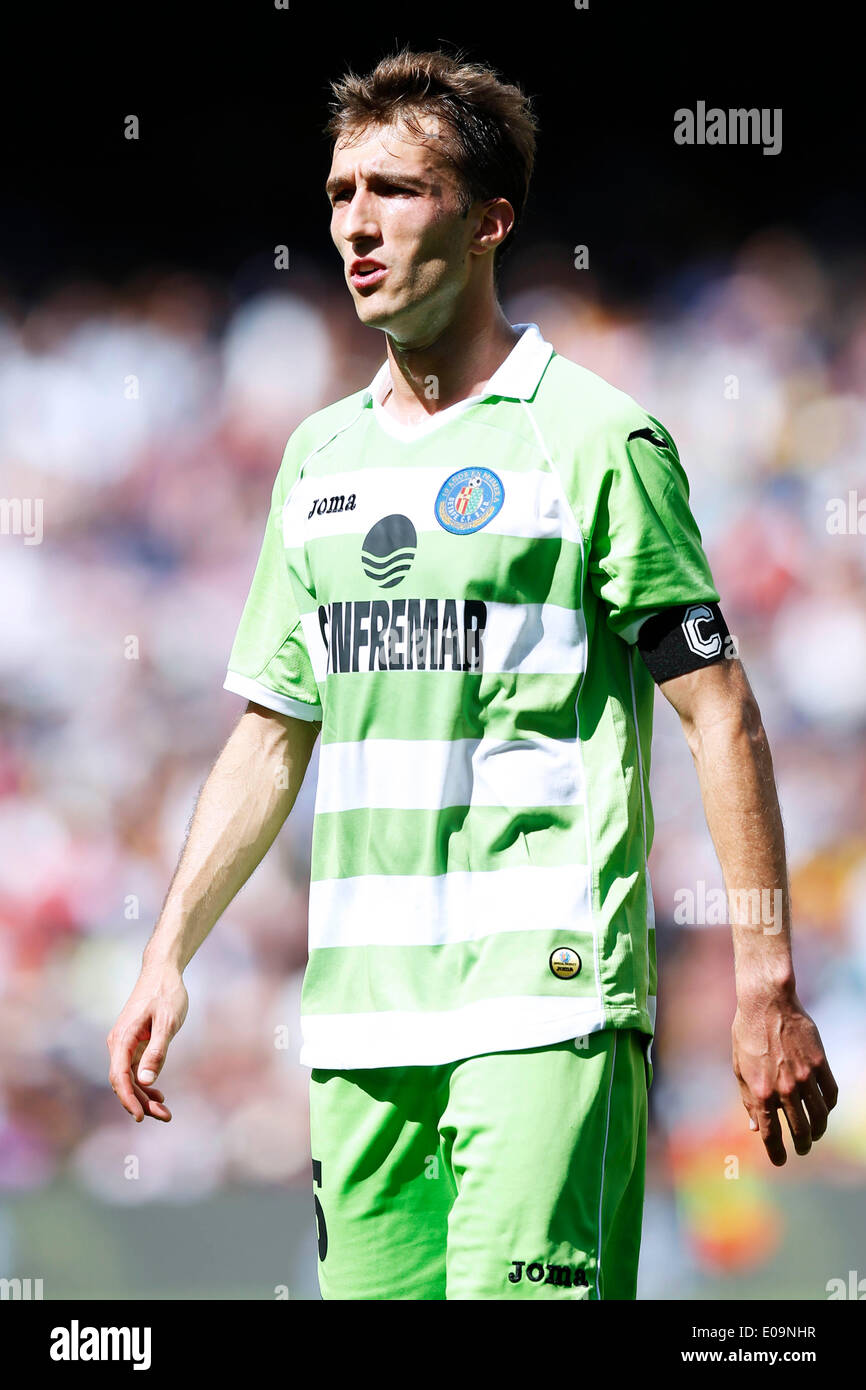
(457, 365)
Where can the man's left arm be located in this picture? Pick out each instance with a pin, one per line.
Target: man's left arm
(778, 1055)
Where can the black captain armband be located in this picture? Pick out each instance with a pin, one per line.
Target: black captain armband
(683, 639)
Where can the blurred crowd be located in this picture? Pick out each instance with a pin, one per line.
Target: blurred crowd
(149, 421)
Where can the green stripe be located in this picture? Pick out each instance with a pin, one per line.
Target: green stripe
(484, 565)
(456, 839)
(447, 705)
(369, 979)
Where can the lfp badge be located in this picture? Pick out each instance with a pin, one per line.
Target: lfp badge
(468, 500)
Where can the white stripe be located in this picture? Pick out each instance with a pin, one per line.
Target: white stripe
(427, 774)
(443, 909)
(519, 638)
(532, 504)
(271, 699)
(427, 1039)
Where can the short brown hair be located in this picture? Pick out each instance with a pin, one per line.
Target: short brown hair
(490, 127)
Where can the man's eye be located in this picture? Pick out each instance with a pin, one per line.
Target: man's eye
(346, 193)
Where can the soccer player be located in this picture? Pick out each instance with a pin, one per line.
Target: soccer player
(473, 573)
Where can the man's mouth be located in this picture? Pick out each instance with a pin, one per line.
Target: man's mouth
(366, 273)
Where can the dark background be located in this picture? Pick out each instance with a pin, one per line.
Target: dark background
(232, 101)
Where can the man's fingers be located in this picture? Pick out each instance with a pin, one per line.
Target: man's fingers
(121, 1084)
(121, 1048)
(151, 1092)
(138, 1043)
(748, 1104)
(816, 1107)
(767, 1115)
(152, 1057)
(805, 1111)
(151, 1106)
(139, 1100)
(798, 1121)
(827, 1082)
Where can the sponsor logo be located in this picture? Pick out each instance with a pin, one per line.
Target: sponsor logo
(388, 549)
(648, 434)
(565, 963)
(326, 505)
(539, 1273)
(468, 500)
(403, 634)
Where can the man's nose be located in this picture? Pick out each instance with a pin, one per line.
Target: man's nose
(362, 220)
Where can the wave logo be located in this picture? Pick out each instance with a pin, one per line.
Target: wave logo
(388, 549)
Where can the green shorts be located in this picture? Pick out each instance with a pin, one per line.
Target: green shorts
(509, 1175)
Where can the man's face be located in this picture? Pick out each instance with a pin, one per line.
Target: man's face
(396, 202)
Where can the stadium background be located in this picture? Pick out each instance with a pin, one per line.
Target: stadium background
(153, 362)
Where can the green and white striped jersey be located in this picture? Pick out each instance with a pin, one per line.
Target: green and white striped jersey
(458, 603)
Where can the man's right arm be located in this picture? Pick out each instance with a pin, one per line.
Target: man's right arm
(247, 796)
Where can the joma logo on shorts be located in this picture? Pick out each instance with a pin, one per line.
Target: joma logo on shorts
(338, 503)
(556, 1274)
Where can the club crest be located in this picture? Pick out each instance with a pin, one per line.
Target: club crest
(468, 500)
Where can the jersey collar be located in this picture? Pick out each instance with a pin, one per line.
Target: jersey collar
(516, 379)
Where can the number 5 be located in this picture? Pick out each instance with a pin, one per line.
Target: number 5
(321, 1228)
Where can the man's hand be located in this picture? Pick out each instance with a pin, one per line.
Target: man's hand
(139, 1040)
(249, 792)
(780, 1065)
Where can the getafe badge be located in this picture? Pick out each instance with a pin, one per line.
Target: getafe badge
(468, 500)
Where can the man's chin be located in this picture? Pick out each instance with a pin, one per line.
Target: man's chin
(374, 315)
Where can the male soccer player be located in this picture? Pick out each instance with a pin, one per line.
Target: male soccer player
(472, 574)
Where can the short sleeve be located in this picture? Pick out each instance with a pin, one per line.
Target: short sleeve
(645, 551)
(269, 661)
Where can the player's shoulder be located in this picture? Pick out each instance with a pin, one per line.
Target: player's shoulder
(596, 433)
(316, 429)
(582, 401)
